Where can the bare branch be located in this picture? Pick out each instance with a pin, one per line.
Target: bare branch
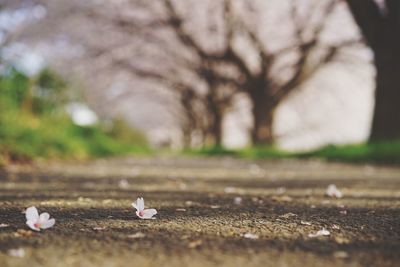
(176, 22)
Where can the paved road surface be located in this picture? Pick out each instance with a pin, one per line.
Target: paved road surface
(208, 209)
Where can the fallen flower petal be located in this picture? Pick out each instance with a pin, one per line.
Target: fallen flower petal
(230, 190)
(99, 228)
(123, 184)
(250, 236)
(16, 252)
(237, 200)
(180, 209)
(333, 191)
(3, 225)
(195, 244)
(141, 212)
(36, 222)
(322, 232)
(136, 235)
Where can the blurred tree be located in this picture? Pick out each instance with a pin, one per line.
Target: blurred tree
(208, 53)
(379, 22)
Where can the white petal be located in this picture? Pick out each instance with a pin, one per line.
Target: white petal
(31, 225)
(250, 236)
(322, 232)
(140, 203)
(32, 214)
(333, 191)
(135, 205)
(44, 217)
(149, 213)
(48, 224)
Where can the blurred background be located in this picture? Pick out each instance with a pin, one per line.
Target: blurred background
(81, 79)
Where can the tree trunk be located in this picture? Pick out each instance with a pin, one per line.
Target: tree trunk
(263, 115)
(216, 129)
(381, 31)
(386, 118)
(215, 121)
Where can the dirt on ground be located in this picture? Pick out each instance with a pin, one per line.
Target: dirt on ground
(211, 212)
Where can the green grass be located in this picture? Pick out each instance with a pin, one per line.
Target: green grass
(33, 127)
(377, 152)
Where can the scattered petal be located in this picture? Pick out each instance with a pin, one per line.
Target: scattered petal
(237, 200)
(250, 236)
(195, 244)
(215, 206)
(182, 186)
(280, 190)
(282, 198)
(36, 222)
(335, 226)
(99, 228)
(305, 223)
(48, 224)
(3, 225)
(254, 169)
(141, 212)
(44, 217)
(180, 209)
(333, 191)
(136, 235)
(230, 190)
(322, 232)
(123, 184)
(16, 252)
(188, 203)
(32, 214)
(344, 212)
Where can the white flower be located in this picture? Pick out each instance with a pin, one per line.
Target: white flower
(36, 222)
(322, 232)
(333, 191)
(141, 212)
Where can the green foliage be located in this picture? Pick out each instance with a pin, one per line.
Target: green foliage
(48, 92)
(120, 130)
(249, 152)
(34, 125)
(378, 152)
